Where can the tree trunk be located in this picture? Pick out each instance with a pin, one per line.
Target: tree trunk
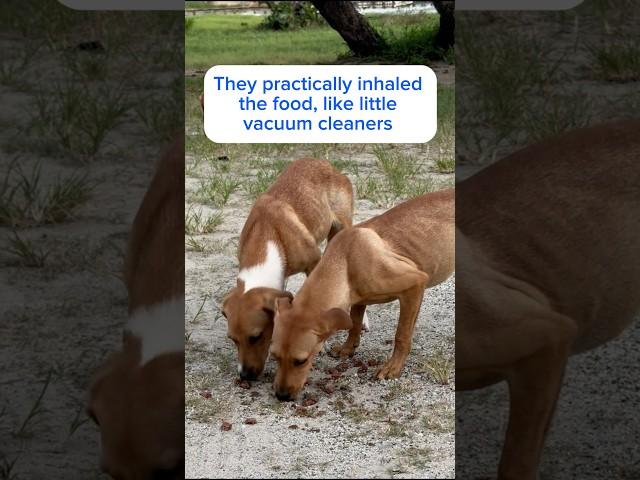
(446, 34)
(353, 28)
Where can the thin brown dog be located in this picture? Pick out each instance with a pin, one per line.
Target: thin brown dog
(137, 398)
(396, 255)
(310, 201)
(548, 242)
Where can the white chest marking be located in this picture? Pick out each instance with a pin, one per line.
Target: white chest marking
(269, 273)
(160, 328)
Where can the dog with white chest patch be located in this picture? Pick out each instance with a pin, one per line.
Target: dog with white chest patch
(137, 398)
(309, 202)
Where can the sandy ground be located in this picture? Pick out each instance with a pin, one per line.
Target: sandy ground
(364, 429)
(61, 318)
(595, 431)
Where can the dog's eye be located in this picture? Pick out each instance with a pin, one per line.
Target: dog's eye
(297, 362)
(254, 339)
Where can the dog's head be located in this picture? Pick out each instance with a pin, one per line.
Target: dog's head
(298, 336)
(250, 325)
(139, 409)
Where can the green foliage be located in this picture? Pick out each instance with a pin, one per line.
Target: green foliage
(291, 15)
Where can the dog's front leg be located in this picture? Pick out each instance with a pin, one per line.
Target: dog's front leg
(534, 386)
(410, 301)
(353, 340)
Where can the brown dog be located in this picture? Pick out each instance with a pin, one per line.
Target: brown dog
(548, 244)
(395, 255)
(310, 201)
(137, 398)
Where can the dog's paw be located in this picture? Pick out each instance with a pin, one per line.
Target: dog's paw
(365, 323)
(342, 351)
(389, 371)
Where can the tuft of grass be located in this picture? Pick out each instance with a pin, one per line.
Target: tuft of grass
(397, 167)
(36, 411)
(357, 414)
(445, 165)
(80, 419)
(195, 222)
(216, 190)
(200, 309)
(439, 367)
(13, 71)
(439, 419)
(495, 66)
(421, 186)
(616, 62)
(417, 457)
(373, 189)
(195, 245)
(158, 114)
(559, 114)
(29, 254)
(397, 390)
(412, 43)
(74, 119)
(396, 429)
(6, 468)
(263, 179)
(26, 201)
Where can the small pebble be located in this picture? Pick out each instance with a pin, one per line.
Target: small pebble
(206, 394)
(250, 421)
(226, 426)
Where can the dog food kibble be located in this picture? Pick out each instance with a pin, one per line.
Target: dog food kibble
(243, 384)
(250, 421)
(329, 388)
(334, 373)
(226, 426)
(363, 369)
(293, 427)
(373, 362)
(206, 394)
(358, 363)
(342, 367)
(307, 402)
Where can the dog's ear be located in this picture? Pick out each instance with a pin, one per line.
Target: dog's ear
(272, 297)
(283, 303)
(338, 319)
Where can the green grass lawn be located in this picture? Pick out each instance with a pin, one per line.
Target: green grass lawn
(239, 40)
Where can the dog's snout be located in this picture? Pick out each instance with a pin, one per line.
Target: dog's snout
(248, 373)
(283, 396)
